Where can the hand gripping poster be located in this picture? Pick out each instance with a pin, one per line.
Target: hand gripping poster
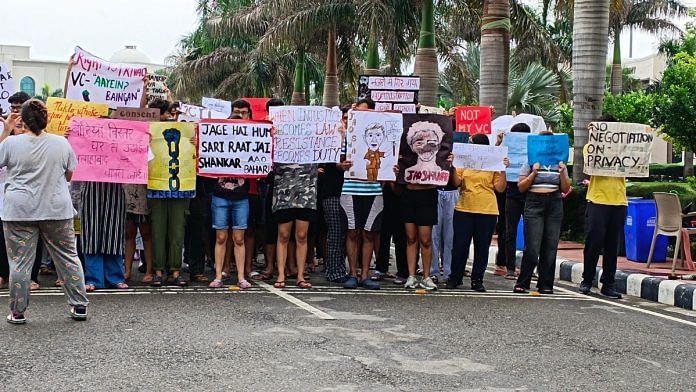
(425, 145)
(372, 144)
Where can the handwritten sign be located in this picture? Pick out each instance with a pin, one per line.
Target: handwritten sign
(474, 119)
(373, 141)
(109, 150)
(258, 108)
(391, 92)
(218, 105)
(92, 79)
(619, 150)
(517, 154)
(306, 134)
(425, 145)
(7, 88)
(479, 157)
(156, 87)
(547, 150)
(235, 148)
(61, 110)
(136, 114)
(193, 113)
(173, 169)
(431, 109)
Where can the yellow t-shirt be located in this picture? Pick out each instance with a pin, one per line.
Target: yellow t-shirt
(609, 191)
(477, 192)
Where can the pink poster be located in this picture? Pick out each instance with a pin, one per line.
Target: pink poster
(110, 150)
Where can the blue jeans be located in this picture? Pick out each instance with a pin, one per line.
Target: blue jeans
(229, 213)
(104, 271)
(468, 226)
(443, 233)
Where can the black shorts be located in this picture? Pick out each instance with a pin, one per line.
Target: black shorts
(419, 207)
(292, 214)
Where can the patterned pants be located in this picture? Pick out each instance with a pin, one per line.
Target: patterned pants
(335, 238)
(59, 239)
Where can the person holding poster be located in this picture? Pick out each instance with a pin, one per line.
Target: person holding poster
(543, 215)
(604, 221)
(475, 217)
(37, 204)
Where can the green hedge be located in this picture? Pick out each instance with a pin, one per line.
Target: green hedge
(658, 172)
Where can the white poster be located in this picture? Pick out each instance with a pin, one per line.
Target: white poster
(618, 150)
(373, 141)
(7, 88)
(479, 157)
(218, 105)
(193, 113)
(92, 79)
(234, 148)
(306, 134)
(157, 87)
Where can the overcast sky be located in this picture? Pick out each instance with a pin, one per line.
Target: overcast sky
(53, 27)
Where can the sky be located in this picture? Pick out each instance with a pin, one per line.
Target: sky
(53, 27)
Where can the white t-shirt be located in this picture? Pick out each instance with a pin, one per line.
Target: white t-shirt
(36, 188)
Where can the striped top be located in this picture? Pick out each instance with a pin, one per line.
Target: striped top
(103, 218)
(548, 179)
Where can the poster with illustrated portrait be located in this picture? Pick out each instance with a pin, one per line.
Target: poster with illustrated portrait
(425, 145)
(372, 144)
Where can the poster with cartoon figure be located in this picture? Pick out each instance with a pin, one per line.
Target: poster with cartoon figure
(425, 145)
(372, 144)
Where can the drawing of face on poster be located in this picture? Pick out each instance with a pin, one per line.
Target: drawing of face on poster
(425, 146)
(372, 141)
(374, 138)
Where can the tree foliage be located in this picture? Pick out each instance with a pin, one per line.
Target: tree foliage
(676, 100)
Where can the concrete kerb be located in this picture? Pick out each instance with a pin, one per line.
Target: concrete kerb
(670, 292)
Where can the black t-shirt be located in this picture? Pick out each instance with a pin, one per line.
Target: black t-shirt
(231, 188)
(331, 181)
(513, 191)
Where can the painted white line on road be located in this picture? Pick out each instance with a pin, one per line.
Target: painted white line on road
(311, 309)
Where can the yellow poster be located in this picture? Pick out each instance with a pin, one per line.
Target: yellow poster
(61, 110)
(173, 168)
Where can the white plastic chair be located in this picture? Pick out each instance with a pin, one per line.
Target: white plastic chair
(669, 223)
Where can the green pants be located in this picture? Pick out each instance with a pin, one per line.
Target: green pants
(168, 217)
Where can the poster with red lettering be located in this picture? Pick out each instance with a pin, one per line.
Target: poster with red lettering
(425, 145)
(474, 119)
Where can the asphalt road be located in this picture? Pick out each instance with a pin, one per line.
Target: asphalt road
(338, 340)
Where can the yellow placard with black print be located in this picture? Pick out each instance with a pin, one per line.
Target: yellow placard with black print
(172, 170)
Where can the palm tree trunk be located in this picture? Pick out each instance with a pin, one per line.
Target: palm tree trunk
(330, 97)
(426, 57)
(372, 62)
(590, 45)
(688, 163)
(298, 92)
(495, 55)
(616, 68)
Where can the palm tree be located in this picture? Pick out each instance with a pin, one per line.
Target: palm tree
(590, 46)
(426, 57)
(495, 55)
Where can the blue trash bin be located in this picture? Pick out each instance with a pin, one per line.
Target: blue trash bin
(520, 235)
(639, 229)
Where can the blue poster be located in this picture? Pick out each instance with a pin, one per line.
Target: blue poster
(517, 154)
(548, 150)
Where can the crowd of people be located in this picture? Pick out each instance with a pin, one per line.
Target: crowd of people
(297, 214)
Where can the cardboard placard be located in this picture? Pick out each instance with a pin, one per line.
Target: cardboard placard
(372, 143)
(258, 108)
(390, 92)
(618, 150)
(7, 88)
(548, 150)
(61, 110)
(306, 134)
(173, 168)
(516, 143)
(218, 105)
(136, 114)
(156, 87)
(425, 145)
(474, 119)
(479, 157)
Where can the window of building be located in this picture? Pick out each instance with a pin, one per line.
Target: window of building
(28, 85)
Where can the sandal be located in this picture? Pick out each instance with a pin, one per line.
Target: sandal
(519, 290)
(254, 275)
(34, 286)
(147, 278)
(90, 288)
(244, 284)
(279, 285)
(156, 281)
(304, 285)
(58, 283)
(200, 278)
(216, 284)
(121, 286)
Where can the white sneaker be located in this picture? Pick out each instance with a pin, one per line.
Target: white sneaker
(411, 283)
(428, 284)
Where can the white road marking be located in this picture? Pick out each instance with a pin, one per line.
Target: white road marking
(311, 309)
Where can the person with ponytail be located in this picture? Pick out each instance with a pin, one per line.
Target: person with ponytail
(38, 204)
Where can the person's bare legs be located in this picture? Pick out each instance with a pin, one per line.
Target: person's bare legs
(220, 251)
(282, 249)
(239, 252)
(369, 239)
(146, 234)
(269, 254)
(291, 263)
(301, 247)
(131, 232)
(352, 244)
(412, 247)
(229, 253)
(249, 249)
(425, 240)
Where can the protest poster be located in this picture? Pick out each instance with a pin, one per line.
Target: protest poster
(235, 148)
(425, 145)
(306, 134)
(136, 114)
(516, 144)
(474, 119)
(547, 150)
(503, 124)
(193, 113)
(7, 88)
(218, 105)
(390, 92)
(258, 108)
(109, 150)
(618, 150)
(61, 110)
(157, 87)
(373, 140)
(431, 109)
(479, 157)
(173, 169)
(92, 79)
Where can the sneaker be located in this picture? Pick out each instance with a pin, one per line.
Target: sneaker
(244, 284)
(435, 279)
(341, 280)
(377, 276)
(477, 285)
(452, 284)
(610, 292)
(178, 281)
(585, 288)
(16, 318)
(510, 275)
(370, 284)
(399, 280)
(78, 312)
(351, 283)
(428, 284)
(411, 283)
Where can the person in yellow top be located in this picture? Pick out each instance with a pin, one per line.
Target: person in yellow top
(475, 217)
(604, 220)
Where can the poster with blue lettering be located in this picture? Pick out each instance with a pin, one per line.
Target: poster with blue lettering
(517, 154)
(548, 150)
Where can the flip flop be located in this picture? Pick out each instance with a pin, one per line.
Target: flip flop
(304, 285)
(279, 285)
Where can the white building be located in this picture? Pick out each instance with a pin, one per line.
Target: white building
(31, 75)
